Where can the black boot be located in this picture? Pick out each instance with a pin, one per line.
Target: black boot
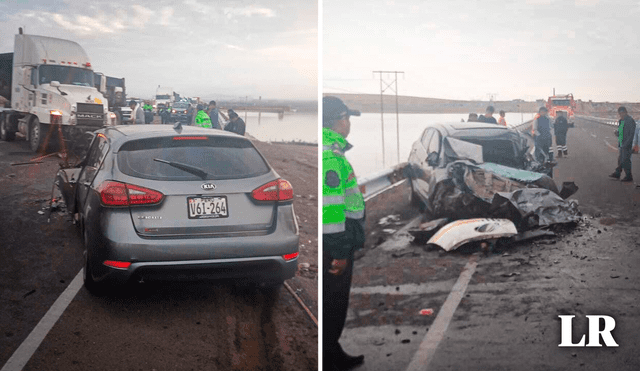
(559, 154)
(615, 175)
(628, 178)
(566, 153)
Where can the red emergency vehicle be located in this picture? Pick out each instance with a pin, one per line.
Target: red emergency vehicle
(564, 103)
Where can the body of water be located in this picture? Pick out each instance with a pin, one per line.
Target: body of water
(293, 127)
(366, 137)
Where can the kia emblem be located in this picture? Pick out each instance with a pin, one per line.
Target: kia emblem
(208, 186)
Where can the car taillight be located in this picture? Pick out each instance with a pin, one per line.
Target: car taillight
(290, 256)
(117, 264)
(122, 194)
(278, 190)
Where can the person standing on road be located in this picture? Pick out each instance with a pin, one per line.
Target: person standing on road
(213, 115)
(343, 216)
(560, 128)
(541, 131)
(202, 119)
(148, 113)
(137, 115)
(488, 116)
(502, 121)
(236, 124)
(625, 132)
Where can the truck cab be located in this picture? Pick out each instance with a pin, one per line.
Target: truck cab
(52, 83)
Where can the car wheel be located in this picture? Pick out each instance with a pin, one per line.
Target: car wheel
(5, 133)
(415, 200)
(95, 288)
(36, 135)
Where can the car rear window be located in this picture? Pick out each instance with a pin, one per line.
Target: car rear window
(219, 157)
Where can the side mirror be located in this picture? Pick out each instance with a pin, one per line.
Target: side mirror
(55, 84)
(432, 159)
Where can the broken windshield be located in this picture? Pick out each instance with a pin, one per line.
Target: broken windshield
(65, 75)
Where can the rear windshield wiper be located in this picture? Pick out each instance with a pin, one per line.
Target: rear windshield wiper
(188, 168)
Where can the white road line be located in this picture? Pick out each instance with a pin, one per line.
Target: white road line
(593, 135)
(610, 146)
(429, 344)
(29, 346)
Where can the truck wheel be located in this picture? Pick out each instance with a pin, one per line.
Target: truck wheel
(37, 132)
(5, 133)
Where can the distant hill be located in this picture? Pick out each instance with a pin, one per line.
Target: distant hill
(370, 103)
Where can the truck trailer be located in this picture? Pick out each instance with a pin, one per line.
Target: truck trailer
(51, 82)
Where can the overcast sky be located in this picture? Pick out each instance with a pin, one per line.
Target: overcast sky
(461, 49)
(200, 48)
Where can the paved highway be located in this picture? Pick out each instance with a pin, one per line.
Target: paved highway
(500, 312)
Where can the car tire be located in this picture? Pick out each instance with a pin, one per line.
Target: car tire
(37, 132)
(415, 200)
(6, 134)
(95, 288)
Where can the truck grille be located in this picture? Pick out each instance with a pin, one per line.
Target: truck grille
(90, 114)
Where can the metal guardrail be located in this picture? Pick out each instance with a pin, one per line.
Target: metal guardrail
(377, 183)
(525, 125)
(599, 120)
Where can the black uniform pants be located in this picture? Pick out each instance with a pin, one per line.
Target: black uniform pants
(624, 160)
(335, 302)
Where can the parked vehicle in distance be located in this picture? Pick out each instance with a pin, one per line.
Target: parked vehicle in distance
(152, 205)
(181, 112)
(450, 160)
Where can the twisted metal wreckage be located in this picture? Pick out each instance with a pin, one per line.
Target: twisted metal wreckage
(487, 201)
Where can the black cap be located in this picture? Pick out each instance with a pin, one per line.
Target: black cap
(132, 102)
(333, 109)
(199, 107)
(232, 113)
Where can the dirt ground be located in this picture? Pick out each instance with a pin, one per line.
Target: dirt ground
(155, 326)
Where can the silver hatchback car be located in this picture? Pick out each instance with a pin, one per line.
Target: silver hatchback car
(156, 202)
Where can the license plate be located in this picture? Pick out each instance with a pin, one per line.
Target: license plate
(207, 207)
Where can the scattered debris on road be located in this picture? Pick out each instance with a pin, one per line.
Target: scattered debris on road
(426, 312)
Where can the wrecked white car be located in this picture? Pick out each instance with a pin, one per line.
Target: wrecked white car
(456, 169)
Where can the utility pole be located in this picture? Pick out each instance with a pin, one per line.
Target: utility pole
(393, 85)
(246, 103)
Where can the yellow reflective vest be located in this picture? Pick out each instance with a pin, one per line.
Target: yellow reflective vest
(343, 208)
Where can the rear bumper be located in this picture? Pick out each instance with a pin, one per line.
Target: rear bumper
(264, 269)
(240, 257)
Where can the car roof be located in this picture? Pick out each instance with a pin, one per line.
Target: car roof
(462, 129)
(124, 133)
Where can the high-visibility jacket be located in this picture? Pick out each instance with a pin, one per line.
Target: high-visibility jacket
(342, 202)
(203, 120)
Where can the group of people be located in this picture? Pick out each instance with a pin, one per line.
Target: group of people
(488, 117)
(206, 119)
(210, 119)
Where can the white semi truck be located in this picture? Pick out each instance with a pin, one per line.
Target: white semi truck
(49, 81)
(164, 98)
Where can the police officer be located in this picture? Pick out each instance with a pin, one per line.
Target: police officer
(541, 130)
(202, 119)
(342, 229)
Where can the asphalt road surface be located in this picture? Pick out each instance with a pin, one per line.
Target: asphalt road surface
(500, 311)
(176, 326)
